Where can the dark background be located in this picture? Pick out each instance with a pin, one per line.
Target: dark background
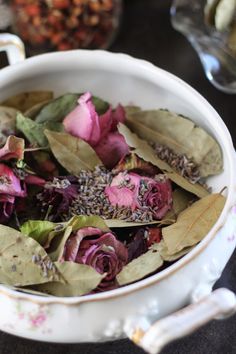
(146, 33)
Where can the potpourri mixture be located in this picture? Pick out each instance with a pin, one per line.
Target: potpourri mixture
(94, 197)
(221, 15)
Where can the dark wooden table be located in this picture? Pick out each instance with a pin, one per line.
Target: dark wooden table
(146, 33)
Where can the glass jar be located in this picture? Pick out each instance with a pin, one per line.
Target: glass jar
(51, 25)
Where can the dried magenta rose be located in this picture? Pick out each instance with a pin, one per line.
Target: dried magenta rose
(102, 251)
(134, 191)
(58, 195)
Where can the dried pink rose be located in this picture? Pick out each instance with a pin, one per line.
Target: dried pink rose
(102, 251)
(83, 121)
(134, 191)
(98, 131)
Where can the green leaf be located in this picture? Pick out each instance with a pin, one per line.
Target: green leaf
(193, 223)
(38, 230)
(80, 279)
(140, 267)
(72, 153)
(57, 109)
(24, 101)
(179, 134)
(33, 131)
(144, 151)
(17, 264)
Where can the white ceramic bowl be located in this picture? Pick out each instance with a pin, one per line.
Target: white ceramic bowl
(131, 310)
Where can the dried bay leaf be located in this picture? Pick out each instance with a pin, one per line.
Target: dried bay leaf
(7, 123)
(140, 267)
(80, 279)
(163, 250)
(179, 134)
(181, 200)
(33, 111)
(24, 101)
(72, 153)
(17, 267)
(144, 151)
(193, 223)
(114, 223)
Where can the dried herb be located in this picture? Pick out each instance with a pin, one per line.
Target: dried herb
(181, 135)
(80, 280)
(140, 267)
(72, 153)
(166, 256)
(24, 101)
(144, 151)
(193, 223)
(23, 261)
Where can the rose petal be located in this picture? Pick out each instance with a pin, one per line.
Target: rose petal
(73, 243)
(124, 196)
(35, 180)
(13, 149)
(83, 121)
(118, 116)
(111, 149)
(9, 183)
(105, 121)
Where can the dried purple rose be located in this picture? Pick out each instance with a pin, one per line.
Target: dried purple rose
(57, 196)
(100, 250)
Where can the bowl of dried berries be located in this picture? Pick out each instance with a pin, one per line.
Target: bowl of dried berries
(117, 201)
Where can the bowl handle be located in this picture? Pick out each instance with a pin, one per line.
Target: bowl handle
(14, 47)
(219, 304)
